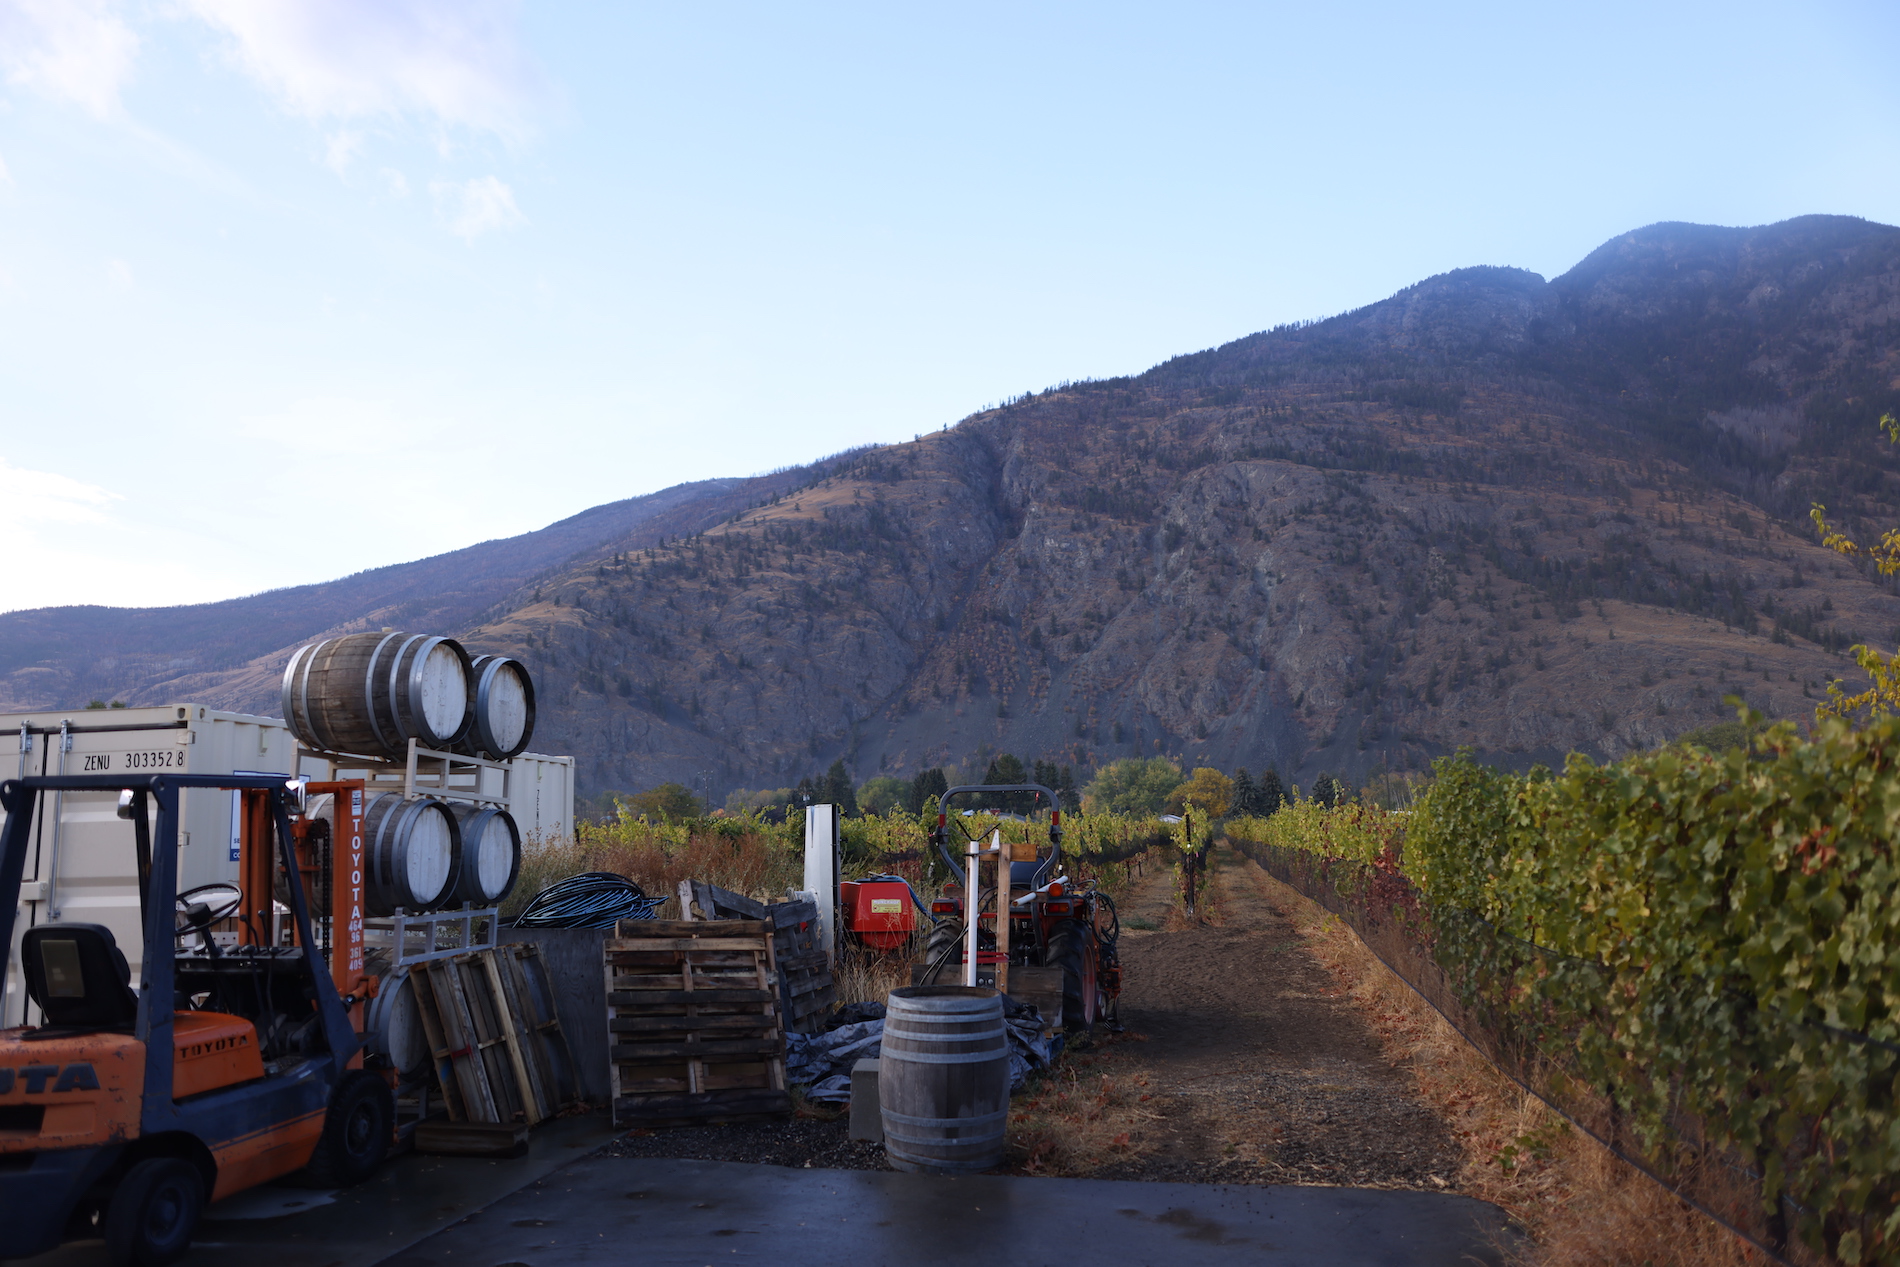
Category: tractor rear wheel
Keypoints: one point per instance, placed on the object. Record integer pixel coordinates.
(154, 1212)
(1072, 948)
(356, 1132)
(945, 936)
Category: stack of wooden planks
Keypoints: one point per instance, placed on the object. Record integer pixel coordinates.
(496, 1040)
(806, 987)
(693, 1022)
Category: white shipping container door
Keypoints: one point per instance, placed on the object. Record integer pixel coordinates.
(541, 790)
(93, 849)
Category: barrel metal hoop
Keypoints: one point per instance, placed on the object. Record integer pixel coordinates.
(288, 702)
(396, 699)
(974, 1036)
(369, 692)
(975, 1143)
(910, 1120)
(425, 730)
(484, 735)
(944, 1058)
(949, 1008)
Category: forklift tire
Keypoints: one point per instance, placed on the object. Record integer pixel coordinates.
(153, 1212)
(1067, 951)
(356, 1132)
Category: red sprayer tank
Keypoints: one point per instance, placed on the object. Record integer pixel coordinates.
(878, 912)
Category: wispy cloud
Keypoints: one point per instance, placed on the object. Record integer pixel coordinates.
(451, 63)
(43, 497)
(75, 51)
(474, 207)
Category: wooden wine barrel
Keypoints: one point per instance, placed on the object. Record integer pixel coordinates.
(394, 1026)
(943, 1078)
(414, 853)
(500, 708)
(370, 693)
(491, 855)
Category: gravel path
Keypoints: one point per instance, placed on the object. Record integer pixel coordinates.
(1264, 1071)
(1260, 1068)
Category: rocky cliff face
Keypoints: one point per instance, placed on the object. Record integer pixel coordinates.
(1492, 511)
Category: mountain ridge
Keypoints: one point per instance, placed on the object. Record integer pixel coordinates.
(1347, 544)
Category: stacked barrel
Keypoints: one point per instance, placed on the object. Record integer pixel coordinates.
(366, 696)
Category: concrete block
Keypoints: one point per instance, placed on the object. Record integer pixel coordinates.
(867, 1118)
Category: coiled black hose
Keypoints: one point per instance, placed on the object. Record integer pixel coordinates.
(592, 899)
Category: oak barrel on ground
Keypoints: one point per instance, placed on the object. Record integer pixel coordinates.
(500, 708)
(415, 853)
(943, 1078)
(371, 693)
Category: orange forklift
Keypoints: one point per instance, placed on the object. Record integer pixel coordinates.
(237, 1059)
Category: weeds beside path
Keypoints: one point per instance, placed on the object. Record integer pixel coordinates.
(1581, 1206)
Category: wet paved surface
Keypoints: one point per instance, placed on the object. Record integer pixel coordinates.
(662, 1213)
(409, 1198)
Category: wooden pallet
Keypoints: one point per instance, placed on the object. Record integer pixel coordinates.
(498, 1050)
(806, 988)
(693, 1022)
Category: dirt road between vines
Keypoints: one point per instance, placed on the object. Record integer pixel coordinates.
(1262, 1070)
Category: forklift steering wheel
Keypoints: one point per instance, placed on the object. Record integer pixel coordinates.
(198, 909)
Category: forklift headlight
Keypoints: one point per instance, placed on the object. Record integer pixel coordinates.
(125, 805)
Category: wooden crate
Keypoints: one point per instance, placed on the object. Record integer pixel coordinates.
(693, 1022)
(806, 988)
(497, 1045)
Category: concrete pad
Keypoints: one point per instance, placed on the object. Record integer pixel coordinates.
(411, 1197)
(662, 1213)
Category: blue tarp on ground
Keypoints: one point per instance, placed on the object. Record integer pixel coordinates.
(821, 1063)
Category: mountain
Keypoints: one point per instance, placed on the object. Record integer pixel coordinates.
(63, 656)
(1495, 511)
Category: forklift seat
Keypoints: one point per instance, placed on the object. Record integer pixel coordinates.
(78, 976)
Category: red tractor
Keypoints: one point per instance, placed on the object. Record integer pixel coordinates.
(1053, 922)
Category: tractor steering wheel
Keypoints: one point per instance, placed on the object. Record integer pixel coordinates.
(198, 909)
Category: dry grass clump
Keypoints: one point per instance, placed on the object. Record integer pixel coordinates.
(864, 975)
(655, 860)
(1079, 1116)
(1582, 1206)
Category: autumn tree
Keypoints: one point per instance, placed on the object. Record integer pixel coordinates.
(668, 802)
(1207, 790)
(1133, 785)
(882, 794)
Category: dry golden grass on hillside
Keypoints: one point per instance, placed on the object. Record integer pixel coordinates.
(1581, 1205)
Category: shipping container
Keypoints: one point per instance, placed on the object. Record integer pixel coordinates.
(81, 866)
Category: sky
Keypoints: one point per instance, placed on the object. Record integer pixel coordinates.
(294, 288)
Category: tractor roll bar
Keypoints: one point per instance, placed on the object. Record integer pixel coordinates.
(940, 834)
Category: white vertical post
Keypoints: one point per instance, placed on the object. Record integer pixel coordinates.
(973, 906)
(821, 868)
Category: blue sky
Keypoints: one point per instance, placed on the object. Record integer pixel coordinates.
(291, 288)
